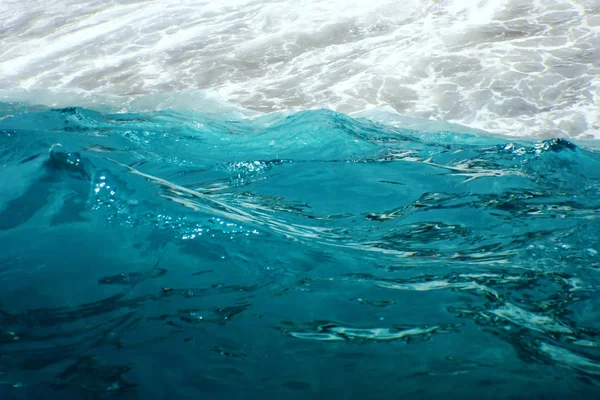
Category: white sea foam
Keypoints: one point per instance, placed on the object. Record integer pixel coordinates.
(519, 67)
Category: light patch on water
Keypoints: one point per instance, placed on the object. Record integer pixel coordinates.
(334, 333)
(530, 320)
(569, 359)
(518, 67)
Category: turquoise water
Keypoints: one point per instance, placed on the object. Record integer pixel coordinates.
(183, 255)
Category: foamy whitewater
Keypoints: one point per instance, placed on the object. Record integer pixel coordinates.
(514, 67)
(299, 200)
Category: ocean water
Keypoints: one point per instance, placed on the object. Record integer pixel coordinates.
(185, 255)
(290, 200)
(516, 67)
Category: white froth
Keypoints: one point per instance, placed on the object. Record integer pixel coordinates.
(518, 67)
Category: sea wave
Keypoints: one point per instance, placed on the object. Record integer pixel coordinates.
(213, 246)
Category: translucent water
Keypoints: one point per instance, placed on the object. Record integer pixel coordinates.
(184, 255)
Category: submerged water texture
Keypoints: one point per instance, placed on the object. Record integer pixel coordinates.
(185, 255)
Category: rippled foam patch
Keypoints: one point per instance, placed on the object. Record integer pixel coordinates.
(179, 254)
(518, 67)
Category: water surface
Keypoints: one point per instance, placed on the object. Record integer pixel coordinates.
(306, 255)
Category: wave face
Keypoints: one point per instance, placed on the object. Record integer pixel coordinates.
(516, 67)
(189, 255)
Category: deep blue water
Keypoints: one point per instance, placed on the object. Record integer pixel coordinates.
(182, 255)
